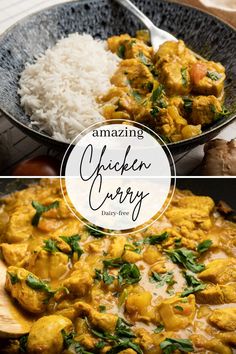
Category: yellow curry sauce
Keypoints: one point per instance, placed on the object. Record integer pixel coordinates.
(171, 91)
(170, 288)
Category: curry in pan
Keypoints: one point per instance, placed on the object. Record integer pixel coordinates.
(168, 289)
(172, 91)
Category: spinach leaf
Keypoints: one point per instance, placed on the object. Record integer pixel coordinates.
(13, 278)
(68, 338)
(167, 278)
(121, 51)
(50, 246)
(193, 285)
(144, 60)
(157, 93)
(129, 274)
(102, 308)
(159, 329)
(186, 258)
(40, 209)
(169, 345)
(138, 98)
(188, 104)
(113, 262)
(156, 239)
(213, 75)
(37, 284)
(184, 77)
(107, 278)
(204, 246)
(72, 241)
(179, 308)
(79, 349)
(23, 343)
(120, 340)
(95, 231)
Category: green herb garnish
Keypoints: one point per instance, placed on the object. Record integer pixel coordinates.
(159, 329)
(113, 262)
(193, 285)
(23, 343)
(37, 284)
(79, 349)
(120, 340)
(184, 77)
(95, 232)
(157, 93)
(186, 258)
(102, 308)
(72, 241)
(68, 338)
(121, 51)
(40, 209)
(156, 239)
(167, 278)
(144, 60)
(213, 75)
(50, 246)
(204, 246)
(129, 274)
(179, 308)
(107, 278)
(137, 96)
(188, 104)
(169, 345)
(13, 278)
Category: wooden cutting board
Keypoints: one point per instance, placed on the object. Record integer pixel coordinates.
(224, 9)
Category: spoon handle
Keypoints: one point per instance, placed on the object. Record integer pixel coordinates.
(132, 8)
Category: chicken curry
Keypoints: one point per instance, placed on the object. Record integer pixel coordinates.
(168, 289)
(172, 91)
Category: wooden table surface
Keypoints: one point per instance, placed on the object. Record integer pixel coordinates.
(15, 146)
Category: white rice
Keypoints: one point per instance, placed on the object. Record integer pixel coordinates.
(59, 90)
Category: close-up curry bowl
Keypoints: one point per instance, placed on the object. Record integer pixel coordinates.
(186, 100)
(66, 288)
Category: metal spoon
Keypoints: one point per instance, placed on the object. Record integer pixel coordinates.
(157, 35)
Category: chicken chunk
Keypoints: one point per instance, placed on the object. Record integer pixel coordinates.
(127, 47)
(224, 318)
(105, 321)
(221, 271)
(170, 123)
(19, 227)
(116, 247)
(48, 265)
(205, 109)
(174, 52)
(212, 83)
(217, 294)
(13, 254)
(133, 73)
(32, 300)
(175, 78)
(191, 212)
(213, 345)
(46, 337)
(79, 283)
(176, 313)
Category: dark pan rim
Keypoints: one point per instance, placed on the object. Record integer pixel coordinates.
(54, 141)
